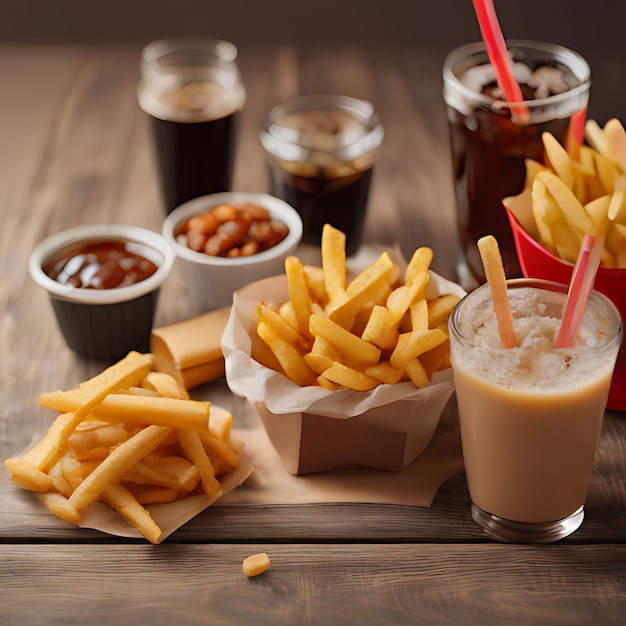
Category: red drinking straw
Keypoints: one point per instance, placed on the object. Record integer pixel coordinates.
(580, 287)
(499, 57)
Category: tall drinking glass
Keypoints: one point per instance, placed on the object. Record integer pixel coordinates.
(193, 93)
(531, 416)
(321, 150)
(489, 149)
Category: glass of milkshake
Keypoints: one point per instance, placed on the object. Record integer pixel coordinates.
(531, 415)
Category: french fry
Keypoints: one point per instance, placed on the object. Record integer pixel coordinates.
(328, 384)
(334, 264)
(370, 295)
(417, 373)
(559, 159)
(384, 373)
(59, 483)
(436, 358)
(195, 452)
(420, 262)
(345, 341)
(104, 436)
(284, 330)
(45, 452)
(401, 298)
(289, 358)
(318, 362)
(179, 474)
(350, 378)
(123, 501)
(381, 329)
(595, 137)
(129, 371)
(153, 495)
(288, 313)
(256, 564)
(314, 278)
(165, 385)
(60, 506)
(27, 476)
(410, 345)
(219, 452)
(616, 211)
(220, 423)
(298, 294)
(383, 268)
(419, 314)
(494, 270)
(439, 309)
(74, 471)
(126, 373)
(120, 459)
(607, 171)
(121, 408)
(572, 209)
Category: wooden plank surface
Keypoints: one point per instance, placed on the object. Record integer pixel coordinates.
(334, 585)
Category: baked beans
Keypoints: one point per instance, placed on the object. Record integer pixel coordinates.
(231, 231)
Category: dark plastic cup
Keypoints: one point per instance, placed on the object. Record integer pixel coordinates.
(105, 324)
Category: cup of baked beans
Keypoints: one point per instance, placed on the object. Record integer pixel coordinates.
(225, 241)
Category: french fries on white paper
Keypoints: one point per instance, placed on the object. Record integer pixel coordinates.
(357, 334)
(574, 195)
(128, 437)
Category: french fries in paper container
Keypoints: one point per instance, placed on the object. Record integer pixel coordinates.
(347, 369)
(570, 197)
(565, 199)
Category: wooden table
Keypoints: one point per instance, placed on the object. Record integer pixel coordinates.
(75, 149)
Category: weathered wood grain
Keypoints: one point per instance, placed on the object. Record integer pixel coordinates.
(368, 584)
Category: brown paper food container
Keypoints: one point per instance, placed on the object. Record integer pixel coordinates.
(314, 429)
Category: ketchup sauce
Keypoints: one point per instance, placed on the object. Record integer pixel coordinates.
(99, 265)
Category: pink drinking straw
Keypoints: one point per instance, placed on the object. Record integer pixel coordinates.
(499, 57)
(583, 277)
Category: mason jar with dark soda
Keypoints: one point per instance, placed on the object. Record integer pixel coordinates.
(490, 147)
(321, 151)
(192, 91)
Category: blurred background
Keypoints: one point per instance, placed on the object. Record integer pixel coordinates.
(581, 24)
(594, 28)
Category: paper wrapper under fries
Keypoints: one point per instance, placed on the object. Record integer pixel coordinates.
(315, 430)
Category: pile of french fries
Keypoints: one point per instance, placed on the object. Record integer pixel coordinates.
(578, 192)
(128, 437)
(357, 334)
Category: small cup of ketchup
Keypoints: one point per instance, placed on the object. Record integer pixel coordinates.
(104, 282)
